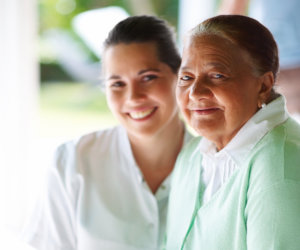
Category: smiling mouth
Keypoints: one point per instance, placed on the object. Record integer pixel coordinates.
(205, 111)
(139, 115)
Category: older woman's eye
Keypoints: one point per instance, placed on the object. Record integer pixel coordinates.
(185, 78)
(218, 76)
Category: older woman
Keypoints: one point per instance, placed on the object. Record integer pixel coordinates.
(238, 185)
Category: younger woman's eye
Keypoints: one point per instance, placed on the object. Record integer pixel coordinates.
(148, 78)
(118, 84)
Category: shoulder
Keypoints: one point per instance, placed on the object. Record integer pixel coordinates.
(186, 158)
(71, 155)
(188, 136)
(275, 159)
(98, 140)
(189, 150)
(281, 145)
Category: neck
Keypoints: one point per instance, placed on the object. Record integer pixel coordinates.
(156, 154)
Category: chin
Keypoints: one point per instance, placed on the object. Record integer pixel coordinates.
(207, 132)
(142, 131)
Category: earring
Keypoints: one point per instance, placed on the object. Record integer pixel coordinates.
(263, 105)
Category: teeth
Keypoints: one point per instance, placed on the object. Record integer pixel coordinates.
(141, 114)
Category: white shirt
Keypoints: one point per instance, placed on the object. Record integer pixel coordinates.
(218, 167)
(97, 198)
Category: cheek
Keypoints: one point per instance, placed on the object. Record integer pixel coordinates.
(182, 98)
(168, 86)
(112, 102)
(229, 98)
(238, 107)
(164, 93)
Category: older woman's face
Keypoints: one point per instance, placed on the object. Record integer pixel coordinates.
(217, 90)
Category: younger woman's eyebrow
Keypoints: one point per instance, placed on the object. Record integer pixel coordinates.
(113, 77)
(146, 70)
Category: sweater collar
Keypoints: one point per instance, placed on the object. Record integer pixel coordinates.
(263, 121)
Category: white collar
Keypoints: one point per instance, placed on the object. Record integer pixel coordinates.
(249, 135)
(164, 189)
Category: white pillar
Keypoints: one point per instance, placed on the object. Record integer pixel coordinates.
(192, 12)
(18, 104)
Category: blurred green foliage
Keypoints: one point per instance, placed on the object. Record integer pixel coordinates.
(69, 109)
(167, 9)
(70, 96)
(59, 13)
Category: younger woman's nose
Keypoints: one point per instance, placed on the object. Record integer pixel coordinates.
(136, 92)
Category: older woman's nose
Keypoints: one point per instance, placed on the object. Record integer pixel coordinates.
(199, 89)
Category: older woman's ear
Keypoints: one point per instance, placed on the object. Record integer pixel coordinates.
(266, 93)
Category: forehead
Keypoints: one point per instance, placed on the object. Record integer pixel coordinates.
(212, 49)
(210, 45)
(121, 56)
(137, 50)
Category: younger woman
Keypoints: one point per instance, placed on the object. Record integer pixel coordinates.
(109, 189)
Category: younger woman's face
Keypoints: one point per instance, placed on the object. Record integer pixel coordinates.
(140, 89)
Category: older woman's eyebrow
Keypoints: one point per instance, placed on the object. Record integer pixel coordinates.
(185, 68)
(218, 65)
(210, 65)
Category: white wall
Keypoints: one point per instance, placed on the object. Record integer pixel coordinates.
(18, 106)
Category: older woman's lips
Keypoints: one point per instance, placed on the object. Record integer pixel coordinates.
(205, 111)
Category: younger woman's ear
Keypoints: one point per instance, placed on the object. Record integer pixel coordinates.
(266, 87)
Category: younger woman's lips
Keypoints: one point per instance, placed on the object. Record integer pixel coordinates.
(141, 115)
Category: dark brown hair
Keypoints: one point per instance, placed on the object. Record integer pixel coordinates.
(142, 29)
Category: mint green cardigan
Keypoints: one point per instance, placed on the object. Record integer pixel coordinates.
(258, 208)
